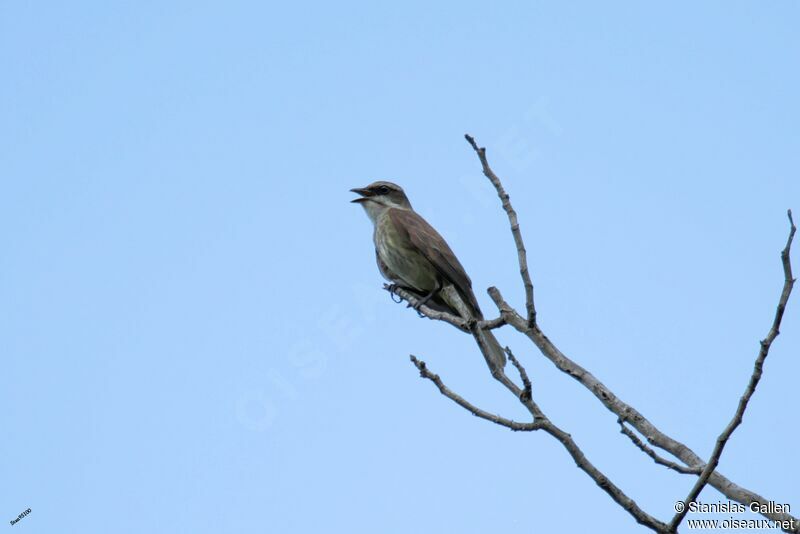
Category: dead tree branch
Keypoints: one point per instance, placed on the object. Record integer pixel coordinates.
(527, 388)
(438, 315)
(690, 462)
(758, 367)
(424, 372)
(541, 422)
(624, 411)
(653, 454)
(629, 414)
(515, 231)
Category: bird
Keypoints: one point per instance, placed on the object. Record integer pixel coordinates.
(412, 255)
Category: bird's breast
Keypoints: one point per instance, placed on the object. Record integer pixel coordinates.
(401, 258)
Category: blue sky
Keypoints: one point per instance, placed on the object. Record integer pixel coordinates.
(193, 330)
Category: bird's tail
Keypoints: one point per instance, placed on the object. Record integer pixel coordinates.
(491, 347)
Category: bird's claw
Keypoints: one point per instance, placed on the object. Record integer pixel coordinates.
(416, 307)
(392, 288)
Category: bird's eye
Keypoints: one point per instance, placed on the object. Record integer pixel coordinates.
(382, 190)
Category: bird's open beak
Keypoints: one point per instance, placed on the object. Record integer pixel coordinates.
(365, 193)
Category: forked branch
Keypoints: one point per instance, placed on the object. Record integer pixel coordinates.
(653, 454)
(622, 410)
(689, 462)
(542, 422)
(424, 372)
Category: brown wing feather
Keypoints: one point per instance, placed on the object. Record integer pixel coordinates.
(433, 246)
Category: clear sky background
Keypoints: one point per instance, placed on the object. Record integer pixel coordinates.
(193, 332)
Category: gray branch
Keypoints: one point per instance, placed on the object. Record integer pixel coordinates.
(541, 422)
(438, 315)
(515, 231)
(527, 388)
(424, 372)
(631, 415)
(653, 454)
(626, 414)
(758, 367)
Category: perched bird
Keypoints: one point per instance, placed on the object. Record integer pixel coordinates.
(412, 255)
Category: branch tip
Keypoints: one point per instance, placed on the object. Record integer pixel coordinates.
(522, 255)
(474, 410)
(471, 141)
(755, 377)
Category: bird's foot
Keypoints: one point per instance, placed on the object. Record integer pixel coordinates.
(416, 307)
(420, 303)
(392, 289)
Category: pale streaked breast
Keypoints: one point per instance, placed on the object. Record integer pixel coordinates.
(402, 259)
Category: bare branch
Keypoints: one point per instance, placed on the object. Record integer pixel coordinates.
(474, 410)
(723, 438)
(542, 422)
(515, 231)
(626, 414)
(652, 454)
(601, 480)
(625, 411)
(491, 324)
(413, 300)
(439, 315)
(527, 390)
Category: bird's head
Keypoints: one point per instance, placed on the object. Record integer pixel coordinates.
(379, 196)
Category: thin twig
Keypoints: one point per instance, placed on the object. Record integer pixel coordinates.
(653, 454)
(723, 438)
(424, 372)
(527, 390)
(515, 231)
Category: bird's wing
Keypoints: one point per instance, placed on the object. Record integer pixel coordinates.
(430, 244)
